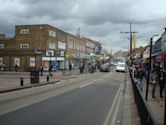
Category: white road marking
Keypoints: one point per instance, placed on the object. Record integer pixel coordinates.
(114, 106)
(87, 84)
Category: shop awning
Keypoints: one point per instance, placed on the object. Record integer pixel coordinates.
(161, 56)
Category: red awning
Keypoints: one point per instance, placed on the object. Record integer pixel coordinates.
(161, 56)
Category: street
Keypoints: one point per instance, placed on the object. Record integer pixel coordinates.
(90, 99)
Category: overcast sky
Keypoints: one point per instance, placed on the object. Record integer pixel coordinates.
(98, 19)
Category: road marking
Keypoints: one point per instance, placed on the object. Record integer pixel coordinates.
(87, 84)
(114, 105)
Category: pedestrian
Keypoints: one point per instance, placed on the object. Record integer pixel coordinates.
(70, 68)
(136, 75)
(41, 70)
(162, 80)
(153, 82)
(141, 75)
(93, 68)
(16, 66)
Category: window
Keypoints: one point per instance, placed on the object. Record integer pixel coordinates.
(77, 47)
(24, 31)
(52, 33)
(70, 45)
(23, 46)
(17, 61)
(52, 45)
(1, 61)
(61, 45)
(1, 46)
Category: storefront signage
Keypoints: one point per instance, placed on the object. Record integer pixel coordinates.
(32, 62)
(70, 54)
(78, 54)
(49, 53)
(163, 41)
(17, 61)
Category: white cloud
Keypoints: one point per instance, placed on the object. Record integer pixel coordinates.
(100, 19)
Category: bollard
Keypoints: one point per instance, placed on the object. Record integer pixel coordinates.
(21, 81)
(47, 78)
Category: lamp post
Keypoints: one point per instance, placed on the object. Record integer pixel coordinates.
(150, 61)
(50, 54)
(35, 51)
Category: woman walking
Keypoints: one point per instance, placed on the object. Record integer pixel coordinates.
(153, 81)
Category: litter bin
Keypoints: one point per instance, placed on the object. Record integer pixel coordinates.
(34, 76)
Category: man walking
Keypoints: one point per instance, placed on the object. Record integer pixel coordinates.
(161, 79)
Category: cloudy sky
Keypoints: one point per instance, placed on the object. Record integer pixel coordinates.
(98, 19)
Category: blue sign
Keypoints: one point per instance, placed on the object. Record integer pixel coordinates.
(78, 54)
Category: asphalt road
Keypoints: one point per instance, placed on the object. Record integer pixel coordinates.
(84, 101)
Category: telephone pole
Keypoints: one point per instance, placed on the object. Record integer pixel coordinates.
(130, 32)
(131, 49)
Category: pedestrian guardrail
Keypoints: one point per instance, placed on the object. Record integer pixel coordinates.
(145, 113)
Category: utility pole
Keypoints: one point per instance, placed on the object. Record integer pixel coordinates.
(130, 32)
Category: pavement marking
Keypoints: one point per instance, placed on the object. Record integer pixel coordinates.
(117, 107)
(114, 105)
(87, 84)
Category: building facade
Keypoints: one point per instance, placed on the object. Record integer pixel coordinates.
(34, 46)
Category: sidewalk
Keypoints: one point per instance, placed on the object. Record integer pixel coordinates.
(130, 113)
(156, 105)
(10, 81)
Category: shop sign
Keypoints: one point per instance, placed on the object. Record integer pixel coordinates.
(17, 61)
(49, 53)
(78, 54)
(161, 56)
(32, 62)
(70, 54)
(163, 40)
(62, 53)
(146, 53)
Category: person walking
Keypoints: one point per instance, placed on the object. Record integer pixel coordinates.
(153, 82)
(16, 66)
(141, 75)
(70, 68)
(162, 80)
(41, 70)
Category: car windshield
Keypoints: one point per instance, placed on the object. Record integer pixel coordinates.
(121, 65)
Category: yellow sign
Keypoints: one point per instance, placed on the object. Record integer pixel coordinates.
(134, 40)
(70, 54)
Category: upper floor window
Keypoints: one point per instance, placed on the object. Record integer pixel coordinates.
(52, 45)
(24, 46)
(24, 31)
(77, 47)
(52, 33)
(1, 46)
(70, 45)
(1, 61)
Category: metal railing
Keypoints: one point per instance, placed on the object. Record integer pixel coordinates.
(145, 113)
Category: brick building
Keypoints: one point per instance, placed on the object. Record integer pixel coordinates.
(41, 45)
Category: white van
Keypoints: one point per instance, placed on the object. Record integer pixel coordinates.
(121, 67)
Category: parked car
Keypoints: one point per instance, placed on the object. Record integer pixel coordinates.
(121, 67)
(105, 67)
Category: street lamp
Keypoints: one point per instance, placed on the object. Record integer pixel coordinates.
(35, 51)
(50, 54)
(150, 59)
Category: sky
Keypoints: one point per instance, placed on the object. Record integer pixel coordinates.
(100, 20)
